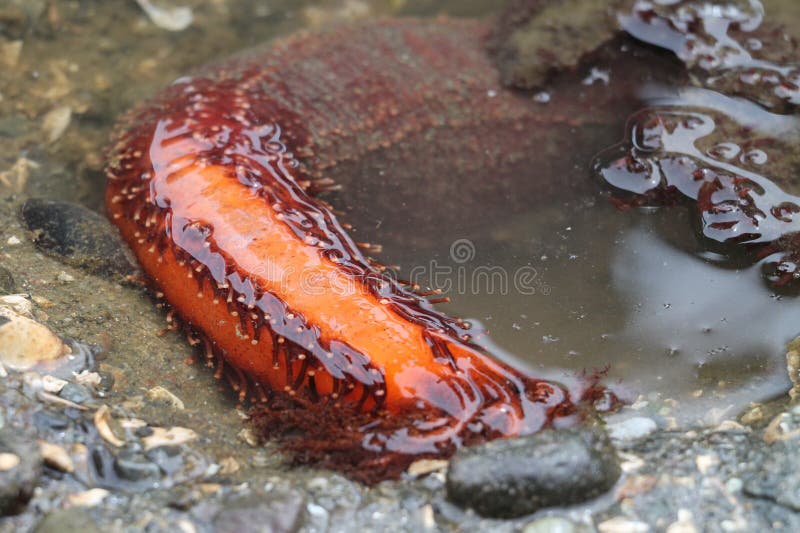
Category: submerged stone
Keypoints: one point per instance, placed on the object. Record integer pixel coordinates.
(80, 237)
(19, 472)
(536, 38)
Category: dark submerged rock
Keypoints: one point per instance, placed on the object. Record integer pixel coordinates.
(534, 39)
(106, 381)
(79, 236)
(17, 483)
(510, 478)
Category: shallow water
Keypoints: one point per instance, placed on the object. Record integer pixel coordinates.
(578, 285)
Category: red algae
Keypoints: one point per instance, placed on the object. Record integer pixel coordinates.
(216, 186)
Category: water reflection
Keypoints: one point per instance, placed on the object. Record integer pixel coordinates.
(637, 294)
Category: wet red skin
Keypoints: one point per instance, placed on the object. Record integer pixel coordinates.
(214, 184)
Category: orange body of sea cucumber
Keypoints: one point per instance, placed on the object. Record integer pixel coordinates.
(215, 185)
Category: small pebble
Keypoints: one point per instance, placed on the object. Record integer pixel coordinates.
(633, 428)
(75, 393)
(162, 395)
(684, 524)
(183, 498)
(168, 458)
(620, 524)
(133, 467)
(551, 524)
(247, 435)
(106, 382)
(88, 379)
(229, 465)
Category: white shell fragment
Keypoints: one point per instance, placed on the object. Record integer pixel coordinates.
(87, 498)
(168, 437)
(163, 395)
(8, 461)
(53, 384)
(167, 18)
(101, 421)
(56, 457)
(56, 122)
(25, 343)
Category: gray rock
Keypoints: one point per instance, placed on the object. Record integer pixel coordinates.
(516, 477)
(273, 513)
(632, 428)
(133, 467)
(74, 520)
(17, 483)
(75, 393)
(776, 476)
(168, 458)
(78, 236)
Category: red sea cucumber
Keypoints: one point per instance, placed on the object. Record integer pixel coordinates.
(215, 185)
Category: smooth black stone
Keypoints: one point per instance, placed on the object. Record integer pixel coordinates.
(516, 477)
(79, 236)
